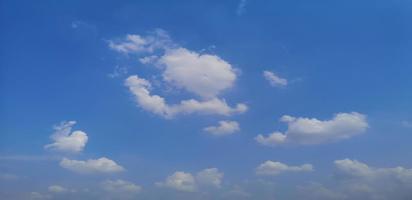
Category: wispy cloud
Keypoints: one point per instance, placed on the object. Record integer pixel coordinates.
(241, 8)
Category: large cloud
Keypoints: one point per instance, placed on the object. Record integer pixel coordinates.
(313, 131)
(205, 75)
(224, 128)
(140, 88)
(273, 168)
(67, 141)
(101, 165)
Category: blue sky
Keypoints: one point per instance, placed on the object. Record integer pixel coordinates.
(205, 99)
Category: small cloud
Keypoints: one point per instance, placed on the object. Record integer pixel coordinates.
(57, 189)
(180, 181)
(101, 165)
(275, 80)
(67, 141)
(272, 168)
(118, 71)
(224, 128)
(121, 187)
(241, 7)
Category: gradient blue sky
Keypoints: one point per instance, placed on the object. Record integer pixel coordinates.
(337, 56)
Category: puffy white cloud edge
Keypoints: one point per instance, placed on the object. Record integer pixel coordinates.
(224, 128)
(101, 165)
(272, 168)
(67, 141)
(308, 131)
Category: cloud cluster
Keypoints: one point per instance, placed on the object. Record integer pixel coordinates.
(204, 75)
(272, 168)
(356, 180)
(67, 141)
(309, 131)
(186, 182)
(101, 165)
(224, 128)
(274, 79)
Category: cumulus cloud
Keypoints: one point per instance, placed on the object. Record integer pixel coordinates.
(186, 182)
(224, 128)
(180, 181)
(101, 165)
(273, 168)
(205, 75)
(356, 180)
(210, 177)
(274, 79)
(67, 141)
(140, 88)
(120, 186)
(309, 131)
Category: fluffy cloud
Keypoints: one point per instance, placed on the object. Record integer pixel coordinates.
(67, 141)
(101, 165)
(274, 168)
(210, 177)
(313, 131)
(180, 181)
(121, 186)
(205, 75)
(274, 79)
(224, 128)
(186, 182)
(140, 88)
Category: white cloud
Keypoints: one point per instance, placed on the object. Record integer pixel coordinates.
(134, 43)
(101, 165)
(202, 74)
(274, 168)
(313, 131)
(140, 88)
(274, 79)
(180, 181)
(224, 128)
(57, 189)
(121, 186)
(67, 141)
(210, 177)
(186, 182)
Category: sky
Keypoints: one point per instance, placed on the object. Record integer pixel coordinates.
(201, 100)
